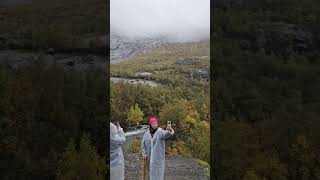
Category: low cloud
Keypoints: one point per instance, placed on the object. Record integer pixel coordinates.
(179, 20)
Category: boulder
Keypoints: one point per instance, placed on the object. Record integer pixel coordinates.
(200, 74)
(50, 51)
(186, 61)
(14, 44)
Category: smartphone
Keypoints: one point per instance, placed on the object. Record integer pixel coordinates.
(169, 123)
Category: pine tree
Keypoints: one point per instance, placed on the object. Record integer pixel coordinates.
(81, 164)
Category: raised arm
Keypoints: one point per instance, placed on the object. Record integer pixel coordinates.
(167, 133)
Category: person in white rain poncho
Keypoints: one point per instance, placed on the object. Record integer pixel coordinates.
(117, 138)
(153, 149)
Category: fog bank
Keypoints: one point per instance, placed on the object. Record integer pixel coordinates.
(179, 20)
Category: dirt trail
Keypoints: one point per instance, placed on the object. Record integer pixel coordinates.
(177, 168)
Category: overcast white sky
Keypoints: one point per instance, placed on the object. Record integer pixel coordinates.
(178, 19)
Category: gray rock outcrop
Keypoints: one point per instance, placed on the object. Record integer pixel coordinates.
(123, 48)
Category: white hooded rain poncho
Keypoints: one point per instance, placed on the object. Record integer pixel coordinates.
(154, 149)
(117, 138)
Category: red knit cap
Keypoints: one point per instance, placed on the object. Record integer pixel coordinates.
(153, 120)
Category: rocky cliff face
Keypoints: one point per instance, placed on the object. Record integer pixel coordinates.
(13, 2)
(281, 36)
(79, 62)
(123, 48)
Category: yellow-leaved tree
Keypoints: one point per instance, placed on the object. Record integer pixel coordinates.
(135, 115)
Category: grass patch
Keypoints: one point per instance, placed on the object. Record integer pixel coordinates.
(203, 163)
(136, 145)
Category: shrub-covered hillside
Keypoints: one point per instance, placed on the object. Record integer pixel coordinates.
(266, 59)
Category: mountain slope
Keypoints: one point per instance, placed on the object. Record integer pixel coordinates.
(123, 48)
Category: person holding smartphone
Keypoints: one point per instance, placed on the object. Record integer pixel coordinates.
(153, 148)
(117, 138)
